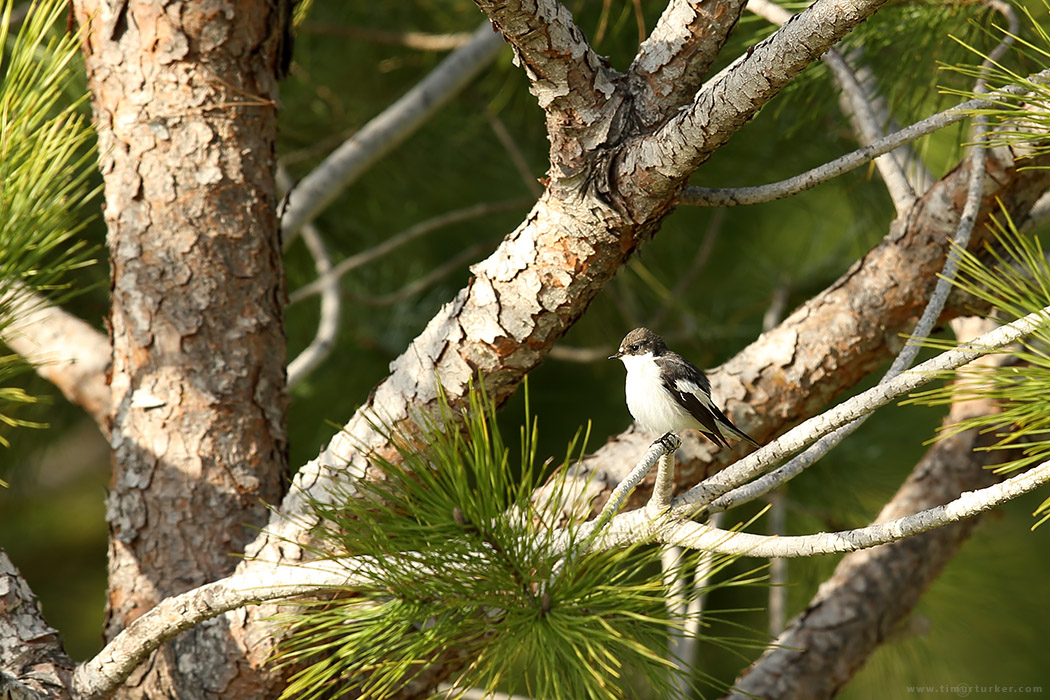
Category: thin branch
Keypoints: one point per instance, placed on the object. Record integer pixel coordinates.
(743, 471)
(399, 239)
(738, 196)
(874, 590)
(699, 536)
(421, 41)
(328, 324)
(858, 107)
(656, 451)
(388, 130)
(101, 676)
(64, 350)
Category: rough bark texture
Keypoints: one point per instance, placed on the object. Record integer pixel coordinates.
(184, 103)
(32, 661)
(873, 590)
(672, 62)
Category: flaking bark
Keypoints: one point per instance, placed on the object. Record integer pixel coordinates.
(184, 104)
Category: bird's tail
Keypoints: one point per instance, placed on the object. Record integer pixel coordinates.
(729, 430)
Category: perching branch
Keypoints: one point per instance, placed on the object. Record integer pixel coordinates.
(874, 590)
(700, 536)
(101, 676)
(801, 436)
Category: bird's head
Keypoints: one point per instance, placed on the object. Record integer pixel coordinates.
(640, 341)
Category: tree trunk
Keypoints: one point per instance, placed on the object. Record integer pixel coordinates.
(185, 106)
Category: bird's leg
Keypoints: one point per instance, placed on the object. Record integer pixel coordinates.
(661, 449)
(670, 442)
(664, 486)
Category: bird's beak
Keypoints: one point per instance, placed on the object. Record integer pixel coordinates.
(617, 356)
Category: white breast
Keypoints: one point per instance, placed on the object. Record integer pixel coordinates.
(649, 402)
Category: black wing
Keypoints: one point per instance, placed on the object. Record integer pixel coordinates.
(691, 389)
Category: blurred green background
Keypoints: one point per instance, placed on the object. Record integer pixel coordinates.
(979, 623)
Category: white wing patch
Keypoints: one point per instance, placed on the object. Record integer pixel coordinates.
(687, 387)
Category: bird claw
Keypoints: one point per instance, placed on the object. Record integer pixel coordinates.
(670, 442)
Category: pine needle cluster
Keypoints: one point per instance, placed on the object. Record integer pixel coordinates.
(46, 158)
(1022, 124)
(464, 569)
(1013, 275)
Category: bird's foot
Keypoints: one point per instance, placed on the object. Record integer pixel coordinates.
(670, 442)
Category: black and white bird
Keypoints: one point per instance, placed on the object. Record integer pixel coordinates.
(666, 393)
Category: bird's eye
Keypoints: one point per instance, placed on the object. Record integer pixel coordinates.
(635, 348)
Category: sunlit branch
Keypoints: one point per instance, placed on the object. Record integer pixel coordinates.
(101, 676)
(63, 349)
(699, 536)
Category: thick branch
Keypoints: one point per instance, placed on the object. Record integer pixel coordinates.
(32, 661)
(673, 61)
(575, 87)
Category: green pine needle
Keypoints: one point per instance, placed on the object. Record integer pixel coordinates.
(46, 157)
(1020, 124)
(467, 572)
(1014, 277)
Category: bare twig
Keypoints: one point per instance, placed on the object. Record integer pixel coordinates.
(328, 324)
(399, 239)
(388, 130)
(699, 536)
(738, 196)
